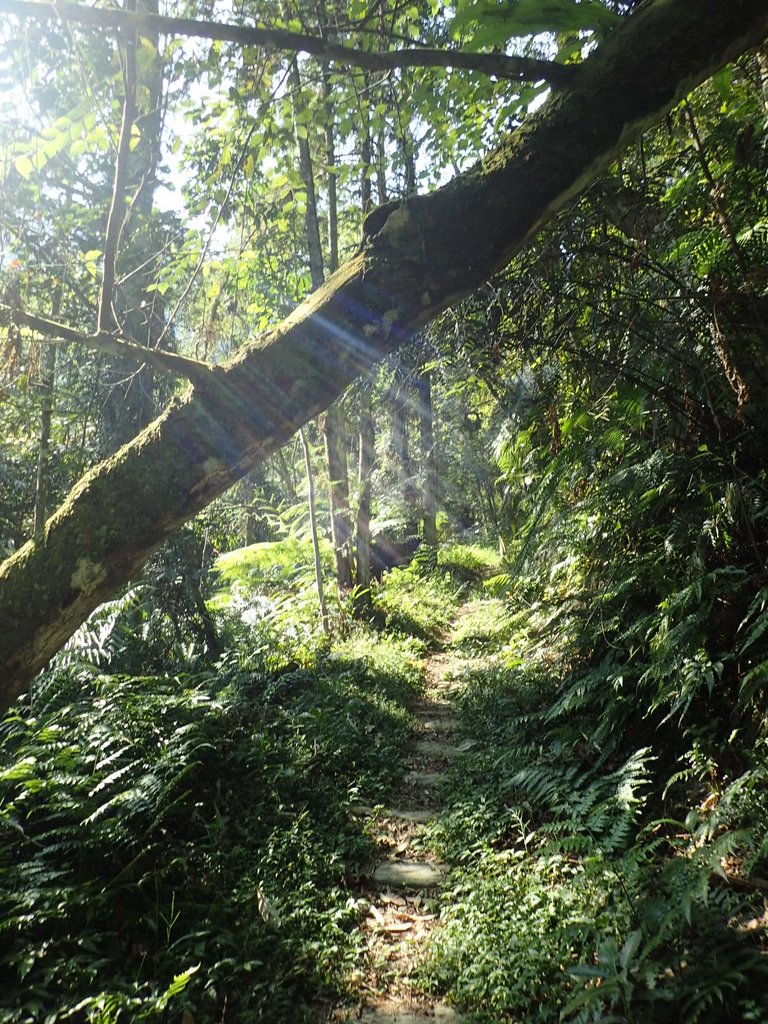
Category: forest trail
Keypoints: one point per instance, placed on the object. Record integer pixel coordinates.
(405, 888)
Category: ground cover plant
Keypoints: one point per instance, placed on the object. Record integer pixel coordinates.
(184, 840)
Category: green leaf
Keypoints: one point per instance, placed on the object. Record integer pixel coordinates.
(723, 83)
(24, 166)
(178, 985)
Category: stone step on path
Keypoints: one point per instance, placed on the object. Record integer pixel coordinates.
(443, 725)
(445, 751)
(424, 780)
(397, 1015)
(409, 874)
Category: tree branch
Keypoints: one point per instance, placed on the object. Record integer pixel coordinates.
(193, 370)
(516, 69)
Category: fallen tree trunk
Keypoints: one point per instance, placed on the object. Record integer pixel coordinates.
(417, 259)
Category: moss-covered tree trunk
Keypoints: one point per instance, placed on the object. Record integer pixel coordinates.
(429, 251)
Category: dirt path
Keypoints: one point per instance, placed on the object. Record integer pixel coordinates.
(404, 889)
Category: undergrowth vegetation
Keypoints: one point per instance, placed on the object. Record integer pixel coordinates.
(609, 824)
(184, 840)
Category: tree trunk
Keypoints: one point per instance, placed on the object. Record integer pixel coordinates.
(130, 402)
(311, 220)
(428, 458)
(762, 64)
(338, 486)
(330, 158)
(364, 470)
(248, 488)
(47, 385)
(341, 527)
(333, 431)
(313, 532)
(399, 400)
(430, 251)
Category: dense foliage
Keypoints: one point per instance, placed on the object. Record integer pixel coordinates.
(191, 830)
(579, 449)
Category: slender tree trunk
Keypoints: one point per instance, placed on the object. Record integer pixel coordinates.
(428, 458)
(285, 473)
(365, 160)
(333, 428)
(313, 532)
(337, 469)
(42, 482)
(364, 471)
(399, 399)
(246, 497)
(338, 491)
(341, 526)
(130, 400)
(311, 220)
(365, 427)
(762, 63)
(330, 157)
(381, 168)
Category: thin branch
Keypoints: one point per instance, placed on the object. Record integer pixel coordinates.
(194, 370)
(106, 319)
(514, 68)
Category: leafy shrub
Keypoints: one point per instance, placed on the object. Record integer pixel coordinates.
(514, 931)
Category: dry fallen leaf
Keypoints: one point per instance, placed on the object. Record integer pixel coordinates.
(377, 914)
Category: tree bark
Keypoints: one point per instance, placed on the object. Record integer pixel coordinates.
(311, 220)
(314, 535)
(399, 400)
(333, 429)
(42, 481)
(364, 470)
(366, 450)
(338, 493)
(430, 251)
(428, 458)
